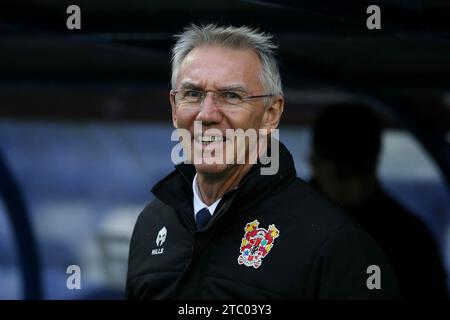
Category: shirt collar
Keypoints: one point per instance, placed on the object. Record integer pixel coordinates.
(198, 203)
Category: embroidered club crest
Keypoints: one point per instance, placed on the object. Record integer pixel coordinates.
(256, 244)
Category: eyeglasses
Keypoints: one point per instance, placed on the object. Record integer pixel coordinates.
(196, 97)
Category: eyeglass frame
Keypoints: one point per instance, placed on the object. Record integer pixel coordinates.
(205, 93)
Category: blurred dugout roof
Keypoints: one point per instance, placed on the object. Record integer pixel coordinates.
(117, 65)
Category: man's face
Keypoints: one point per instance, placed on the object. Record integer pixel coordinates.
(218, 68)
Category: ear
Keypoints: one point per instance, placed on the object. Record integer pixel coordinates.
(174, 108)
(272, 113)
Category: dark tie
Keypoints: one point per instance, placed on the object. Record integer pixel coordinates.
(202, 218)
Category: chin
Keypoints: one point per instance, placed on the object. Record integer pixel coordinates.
(211, 169)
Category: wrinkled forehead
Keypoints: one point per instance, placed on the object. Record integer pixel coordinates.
(213, 67)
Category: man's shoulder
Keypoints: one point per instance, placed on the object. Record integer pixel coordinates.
(152, 210)
(154, 205)
(341, 250)
(304, 203)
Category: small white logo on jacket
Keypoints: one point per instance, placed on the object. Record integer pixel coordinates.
(160, 239)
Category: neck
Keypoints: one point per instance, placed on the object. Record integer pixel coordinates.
(213, 187)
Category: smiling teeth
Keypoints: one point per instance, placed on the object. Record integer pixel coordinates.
(209, 139)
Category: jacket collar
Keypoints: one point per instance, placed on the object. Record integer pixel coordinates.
(175, 190)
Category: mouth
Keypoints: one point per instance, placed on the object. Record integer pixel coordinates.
(206, 140)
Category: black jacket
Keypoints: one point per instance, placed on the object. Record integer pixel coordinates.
(317, 253)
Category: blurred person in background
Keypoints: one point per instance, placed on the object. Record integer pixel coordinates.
(345, 152)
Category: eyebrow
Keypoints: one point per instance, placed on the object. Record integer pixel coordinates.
(233, 87)
(189, 85)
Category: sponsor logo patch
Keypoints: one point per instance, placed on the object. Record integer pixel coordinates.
(160, 239)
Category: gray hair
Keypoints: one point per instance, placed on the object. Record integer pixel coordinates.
(231, 37)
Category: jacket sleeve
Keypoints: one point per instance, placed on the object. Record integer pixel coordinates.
(129, 292)
(135, 257)
(351, 265)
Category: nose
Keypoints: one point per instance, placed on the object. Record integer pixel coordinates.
(209, 111)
